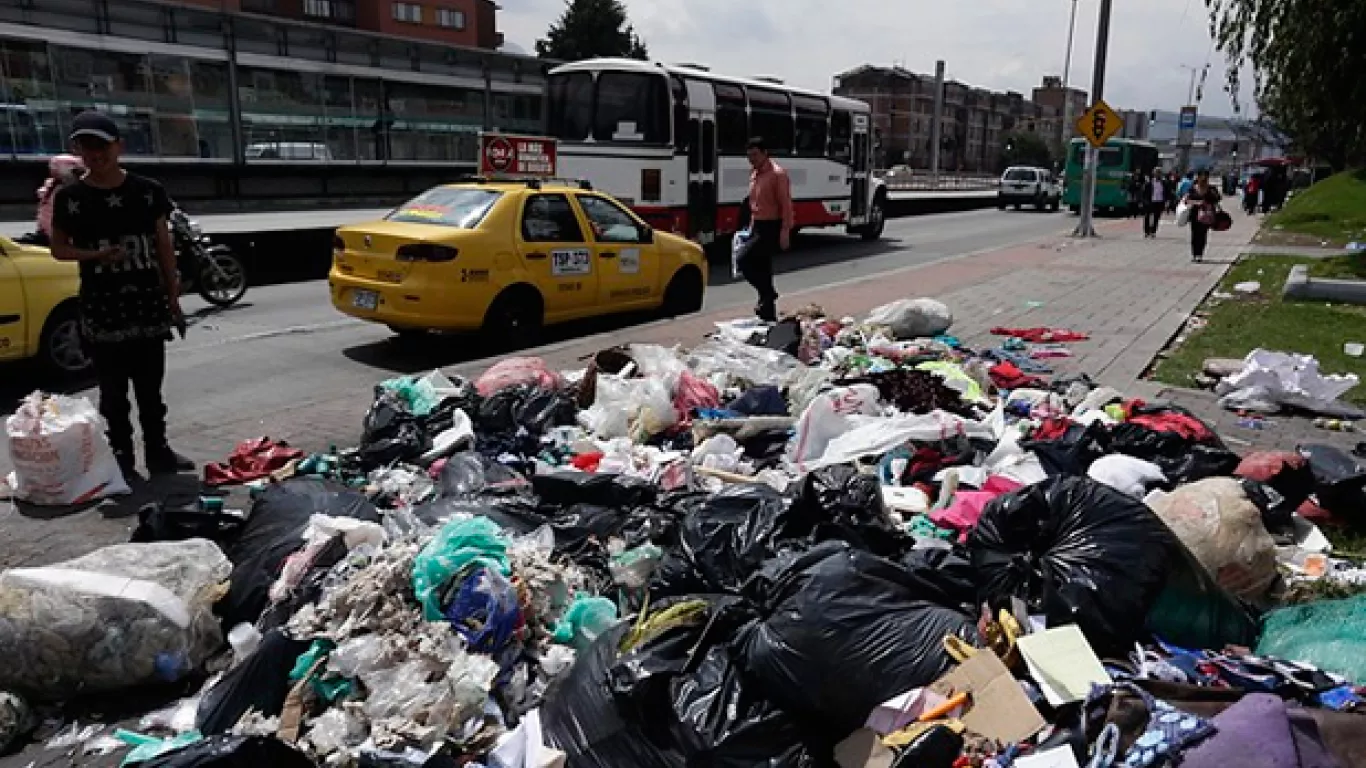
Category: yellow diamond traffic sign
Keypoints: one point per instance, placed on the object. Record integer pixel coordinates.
(1099, 124)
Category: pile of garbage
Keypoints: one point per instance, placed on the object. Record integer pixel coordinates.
(815, 543)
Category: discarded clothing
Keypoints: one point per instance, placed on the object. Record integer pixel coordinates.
(251, 460)
(1041, 335)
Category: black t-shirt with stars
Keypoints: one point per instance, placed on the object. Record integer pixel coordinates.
(124, 300)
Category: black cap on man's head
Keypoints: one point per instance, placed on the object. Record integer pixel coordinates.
(95, 125)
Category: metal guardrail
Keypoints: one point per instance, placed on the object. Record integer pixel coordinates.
(923, 181)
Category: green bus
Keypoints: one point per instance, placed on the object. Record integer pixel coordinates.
(1119, 159)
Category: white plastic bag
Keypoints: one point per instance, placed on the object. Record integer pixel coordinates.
(827, 417)
(1183, 213)
(739, 247)
(119, 617)
(623, 406)
(726, 362)
(1126, 474)
(1223, 529)
(60, 453)
(874, 436)
(913, 318)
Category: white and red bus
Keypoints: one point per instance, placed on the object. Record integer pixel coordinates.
(670, 141)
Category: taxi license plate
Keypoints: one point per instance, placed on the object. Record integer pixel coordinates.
(365, 300)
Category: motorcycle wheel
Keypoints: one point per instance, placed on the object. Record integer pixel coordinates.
(222, 278)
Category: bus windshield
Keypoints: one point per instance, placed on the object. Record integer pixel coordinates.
(629, 107)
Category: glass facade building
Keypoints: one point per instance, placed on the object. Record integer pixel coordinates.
(194, 85)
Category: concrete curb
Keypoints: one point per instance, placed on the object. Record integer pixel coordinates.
(1299, 285)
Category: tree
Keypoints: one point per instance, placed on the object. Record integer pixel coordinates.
(591, 28)
(1307, 57)
(1025, 149)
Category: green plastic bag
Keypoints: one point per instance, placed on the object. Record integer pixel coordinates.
(586, 618)
(1330, 634)
(416, 392)
(460, 544)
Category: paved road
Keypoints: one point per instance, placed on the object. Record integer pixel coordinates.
(286, 343)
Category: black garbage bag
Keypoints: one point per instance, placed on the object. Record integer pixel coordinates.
(1083, 553)
(685, 688)
(309, 589)
(1176, 440)
(839, 502)
(541, 410)
(947, 572)
(518, 517)
(1338, 480)
(182, 517)
(565, 489)
(391, 433)
(273, 532)
(723, 540)
(233, 752)
(581, 717)
(763, 400)
(841, 631)
(1074, 452)
(785, 336)
(260, 682)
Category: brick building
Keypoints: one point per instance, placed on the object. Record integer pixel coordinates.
(974, 126)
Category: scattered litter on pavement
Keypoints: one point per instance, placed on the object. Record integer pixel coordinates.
(825, 541)
(1249, 287)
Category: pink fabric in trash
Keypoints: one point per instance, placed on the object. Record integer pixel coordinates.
(515, 371)
(966, 508)
(694, 392)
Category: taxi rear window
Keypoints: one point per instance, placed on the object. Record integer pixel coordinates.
(460, 208)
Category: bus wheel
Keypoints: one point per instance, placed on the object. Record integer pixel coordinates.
(877, 220)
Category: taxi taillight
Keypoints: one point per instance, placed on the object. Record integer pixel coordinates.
(426, 252)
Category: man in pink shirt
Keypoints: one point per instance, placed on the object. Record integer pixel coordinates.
(770, 213)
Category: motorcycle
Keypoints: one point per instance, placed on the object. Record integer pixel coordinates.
(210, 268)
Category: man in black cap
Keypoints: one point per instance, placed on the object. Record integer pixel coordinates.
(114, 224)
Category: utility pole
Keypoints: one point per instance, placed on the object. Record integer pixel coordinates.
(1085, 227)
(1065, 130)
(935, 130)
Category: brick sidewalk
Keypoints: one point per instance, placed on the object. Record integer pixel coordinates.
(1130, 294)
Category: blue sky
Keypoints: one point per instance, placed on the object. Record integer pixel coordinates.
(998, 44)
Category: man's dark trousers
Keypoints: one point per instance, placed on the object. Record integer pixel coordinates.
(757, 266)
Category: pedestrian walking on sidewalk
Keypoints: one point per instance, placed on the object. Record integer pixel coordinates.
(1135, 192)
(1203, 199)
(1154, 201)
(114, 224)
(771, 219)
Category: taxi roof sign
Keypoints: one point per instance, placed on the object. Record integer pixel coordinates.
(510, 156)
(1099, 124)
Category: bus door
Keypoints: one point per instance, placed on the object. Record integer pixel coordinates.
(860, 171)
(702, 162)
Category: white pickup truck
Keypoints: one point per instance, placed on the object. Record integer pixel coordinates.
(1020, 186)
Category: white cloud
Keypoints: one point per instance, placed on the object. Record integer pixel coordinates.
(997, 44)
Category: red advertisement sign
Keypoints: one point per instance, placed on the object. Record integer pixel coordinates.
(502, 154)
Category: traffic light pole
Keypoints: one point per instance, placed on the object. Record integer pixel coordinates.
(1086, 227)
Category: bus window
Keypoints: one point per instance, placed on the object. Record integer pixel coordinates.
(570, 107)
(632, 107)
(812, 117)
(1110, 157)
(841, 131)
(683, 138)
(770, 116)
(732, 131)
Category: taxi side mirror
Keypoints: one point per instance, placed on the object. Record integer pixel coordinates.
(647, 235)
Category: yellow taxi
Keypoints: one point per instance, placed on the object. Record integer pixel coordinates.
(39, 317)
(507, 257)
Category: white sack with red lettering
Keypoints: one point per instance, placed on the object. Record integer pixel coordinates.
(59, 452)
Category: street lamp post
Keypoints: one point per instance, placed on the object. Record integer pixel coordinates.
(1085, 227)
(1066, 81)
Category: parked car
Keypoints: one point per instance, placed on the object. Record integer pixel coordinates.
(39, 316)
(1020, 186)
(506, 257)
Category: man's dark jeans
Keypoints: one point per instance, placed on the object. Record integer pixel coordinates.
(142, 363)
(757, 266)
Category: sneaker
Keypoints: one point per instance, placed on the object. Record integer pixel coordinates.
(164, 461)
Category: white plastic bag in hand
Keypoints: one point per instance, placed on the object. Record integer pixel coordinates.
(59, 452)
(1183, 213)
